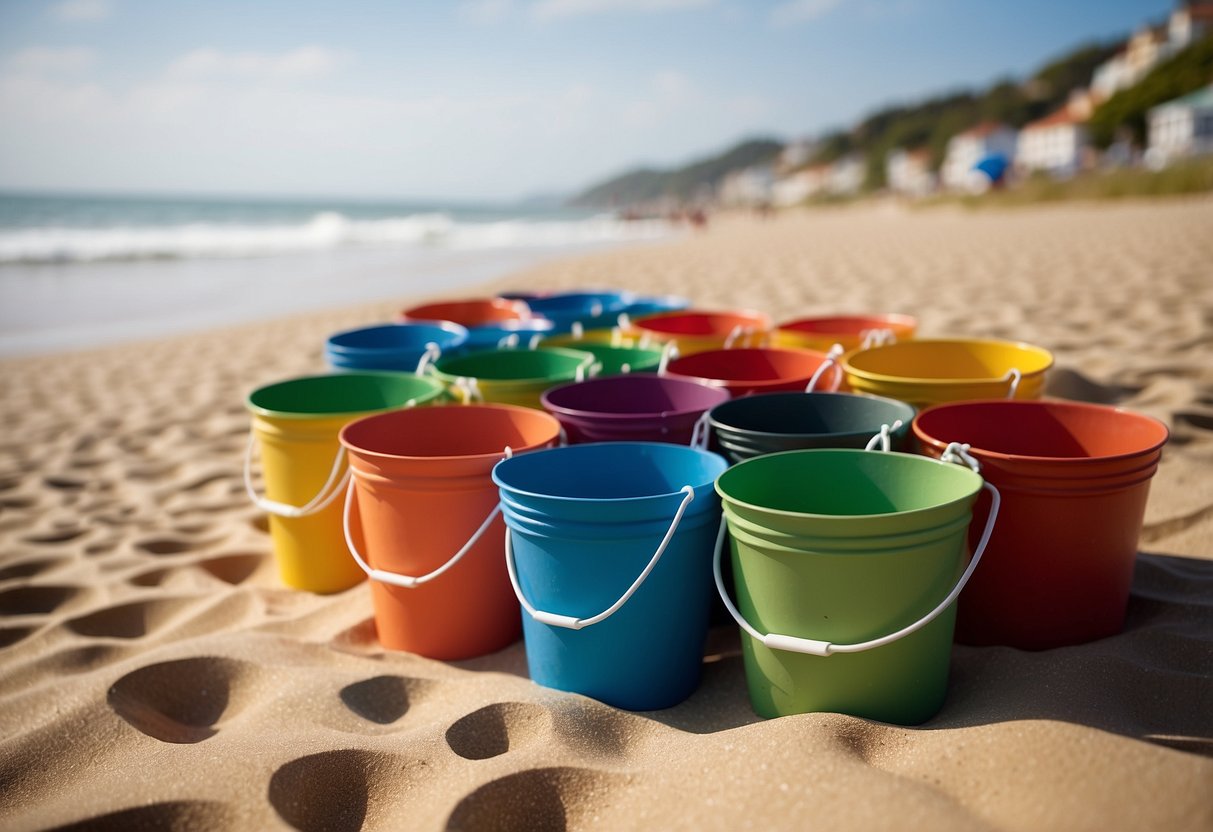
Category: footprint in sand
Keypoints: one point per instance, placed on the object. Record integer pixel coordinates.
(495, 729)
(383, 700)
(561, 798)
(345, 789)
(36, 600)
(184, 701)
(30, 568)
(178, 814)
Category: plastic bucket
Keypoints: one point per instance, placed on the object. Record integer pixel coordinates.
(774, 422)
(1074, 479)
(851, 331)
(296, 423)
(469, 313)
(422, 522)
(511, 376)
(590, 309)
(750, 370)
(653, 304)
(695, 331)
(615, 359)
(508, 334)
(613, 568)
(928, 372)
(637, 408)
(846, 567)
(392, 346)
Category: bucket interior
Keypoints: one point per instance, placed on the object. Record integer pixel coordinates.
(851, 324)
(748, 364)
(393, 336)
(448, 431)
(810, 413)
(609, 471)
(702, 323)
(514, 365)
(1043, 429)
(469, 312)
(950, 359)
(634, 395)
(845, 483)
(342, 393)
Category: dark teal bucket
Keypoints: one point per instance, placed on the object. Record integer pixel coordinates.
(773, 422)
(609, 547)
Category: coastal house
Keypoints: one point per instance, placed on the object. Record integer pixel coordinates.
(795, 154)
(1055, 144)
(1151, 45)
(909, 172)
(747, 187)
(1190, 22)
(1183, 127)
(966, 149)
(800, 186)
(846, 175)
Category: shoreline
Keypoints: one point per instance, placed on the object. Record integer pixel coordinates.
(154, 671)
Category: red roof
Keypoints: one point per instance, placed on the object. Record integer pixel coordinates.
(1060, 118)
(1200, 11)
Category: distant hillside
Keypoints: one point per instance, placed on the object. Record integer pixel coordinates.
(685, 183)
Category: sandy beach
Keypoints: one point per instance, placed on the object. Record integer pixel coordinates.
(155, 673)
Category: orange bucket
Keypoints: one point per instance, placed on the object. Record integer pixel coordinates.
(422, 520)
(469, 313)
(695, 331)
(852, 331)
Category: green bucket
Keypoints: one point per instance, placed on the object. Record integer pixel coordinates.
(846, 566)
(511, 376)
(613, 360)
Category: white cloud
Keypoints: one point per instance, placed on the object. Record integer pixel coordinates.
(297, 64)
(485, 12)
(48, 60)
(802, 11)
(79, 11)
(552, 9)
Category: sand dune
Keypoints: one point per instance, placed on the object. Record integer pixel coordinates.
(155, 674)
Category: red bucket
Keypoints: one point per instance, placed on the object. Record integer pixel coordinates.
(756, 370)
(694, 330)
(469, 313)
(1074, 480)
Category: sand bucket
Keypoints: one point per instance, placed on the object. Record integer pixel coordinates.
(398, 347)
(469, 313)
(613, 570)
(695, 331)
(637, 408)
(751, 370)
(511, 376)
(774, 422)
(296, 423)
(851, 331)
(1074, 479)
(591, 310)
(928, 372)
(613, 357)
(503, 334)
(421, 519)
(846, 565)
(653, 304)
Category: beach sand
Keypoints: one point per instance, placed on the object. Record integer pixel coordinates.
(154, 673)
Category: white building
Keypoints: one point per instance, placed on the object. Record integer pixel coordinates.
(846, 175)
(909, 172)
(1055, 144)
(1183, 127)
(966, 149)
(747, 187)
(796, 153)
(1188, 23)
(1149, 46)
(800, 186)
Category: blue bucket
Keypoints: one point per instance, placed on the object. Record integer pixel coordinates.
(491, 336)
(613, 570)
(391, 346)
(593, 310)
(652, 304)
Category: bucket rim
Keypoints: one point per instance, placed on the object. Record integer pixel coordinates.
(999, 456)
(800, 394)
(492, 406)
(663, 447)
(535, 324)
(727, 499)
(895, 318)
(410, 314)
(436, 390)
(581, 356)
(917, 343)
(762, 319)
(621, 380)
(332, 342)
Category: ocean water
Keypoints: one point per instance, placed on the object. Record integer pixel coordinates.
(82, 271)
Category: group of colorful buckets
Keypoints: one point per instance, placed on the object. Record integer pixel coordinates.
(571, 467)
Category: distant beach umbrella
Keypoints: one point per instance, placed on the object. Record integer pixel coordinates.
(993, 166)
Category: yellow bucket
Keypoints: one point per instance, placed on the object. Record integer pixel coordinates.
(851, 331)
(927, 372)
(511, 376)
(295, 423)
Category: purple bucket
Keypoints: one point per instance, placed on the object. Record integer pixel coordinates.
(638, 407)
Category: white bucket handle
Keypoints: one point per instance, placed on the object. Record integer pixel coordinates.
(411, 581)
(622, 324)
(702, 432)
(669, 351)
(328, 492)
(587, 369)
(883, 437)
(432, 353)
(831, 363)
(815, 647)
(742, 333)
(570, 622)
(508, 342)
(468, 390)
(878, 337)
(1013, 376)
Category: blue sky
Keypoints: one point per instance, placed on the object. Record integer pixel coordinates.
(483, 99)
